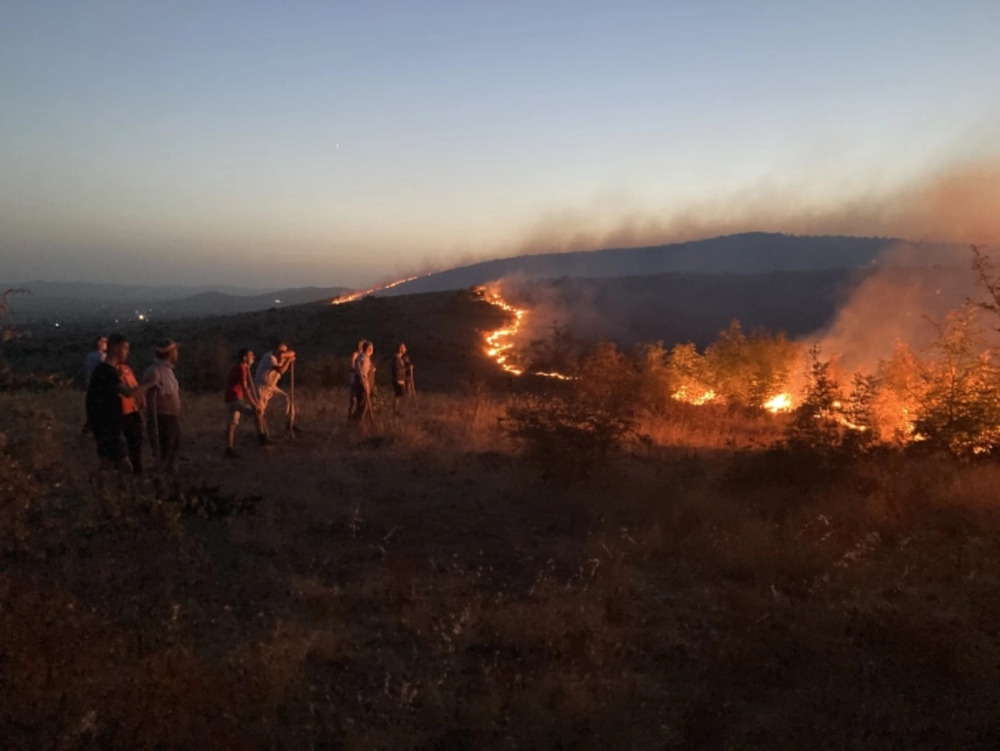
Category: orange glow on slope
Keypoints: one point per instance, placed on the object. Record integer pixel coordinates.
(352, 296)
(500, 343)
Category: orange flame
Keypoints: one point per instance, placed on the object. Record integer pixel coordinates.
(500, 343)
(780, 403)
(352, 296)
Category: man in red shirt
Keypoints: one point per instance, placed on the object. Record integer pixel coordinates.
(241, 399)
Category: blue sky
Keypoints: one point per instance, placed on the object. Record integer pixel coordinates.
(324, 143)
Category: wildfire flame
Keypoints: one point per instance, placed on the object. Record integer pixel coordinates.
(352, 296)
(682, 395)
(500, 343)
(780, 403)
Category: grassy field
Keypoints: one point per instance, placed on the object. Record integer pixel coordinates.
(424, 584)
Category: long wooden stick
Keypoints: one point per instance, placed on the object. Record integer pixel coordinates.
(291, 400)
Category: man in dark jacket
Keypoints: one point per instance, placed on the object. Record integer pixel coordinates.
(104, 405)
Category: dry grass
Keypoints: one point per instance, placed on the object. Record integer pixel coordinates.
(418, 585)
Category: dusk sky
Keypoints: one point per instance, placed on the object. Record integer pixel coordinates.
(278, 144)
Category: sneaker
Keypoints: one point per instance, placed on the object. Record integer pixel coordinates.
(265, 440)
(230, 454)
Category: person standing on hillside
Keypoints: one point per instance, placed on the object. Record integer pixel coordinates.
(364, 379)
(241, 399)
(131, 413)
(352, 379)
(94, 358)
(272, 366)
(164, 409)
(105, 408)
(402, 377)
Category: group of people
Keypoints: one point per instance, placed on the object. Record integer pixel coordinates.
(118, 404)
(363, 379)
(116, 401)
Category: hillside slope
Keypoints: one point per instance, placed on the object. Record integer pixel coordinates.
(747, 253)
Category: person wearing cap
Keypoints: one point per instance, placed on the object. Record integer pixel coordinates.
(106, 392)
(241, 399)
(165, 408)
(272, 366)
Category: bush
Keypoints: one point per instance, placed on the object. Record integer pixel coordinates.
(747, 371)
(817, 423)
(960, 410)
(572, 433)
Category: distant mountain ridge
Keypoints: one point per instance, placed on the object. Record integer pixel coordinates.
(746, 253)
(81, 301)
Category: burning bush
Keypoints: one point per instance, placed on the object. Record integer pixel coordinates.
(746, 371)
(960, 409)
(817, 422)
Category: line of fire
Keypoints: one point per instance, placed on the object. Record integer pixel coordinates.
(943, 391)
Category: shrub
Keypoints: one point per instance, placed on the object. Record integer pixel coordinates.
(572, 433)
(816, 422)
(747, 371)
(960, 410)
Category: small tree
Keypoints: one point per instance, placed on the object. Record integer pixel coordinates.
(960, 409)
(686, 372)
(571, 433)
(817, 421)
(900, 394)
(746, 371)
(861, 415)
(558, 352)
(654, 384)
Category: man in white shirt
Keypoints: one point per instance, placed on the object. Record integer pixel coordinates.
(364, 377)
(269, 371)
(165, 408)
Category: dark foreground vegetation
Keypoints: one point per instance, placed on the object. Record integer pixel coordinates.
(443, 582)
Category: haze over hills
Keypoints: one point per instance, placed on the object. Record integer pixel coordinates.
(745, 253)
(78, 301)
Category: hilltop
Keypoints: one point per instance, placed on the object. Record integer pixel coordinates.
(745, 253)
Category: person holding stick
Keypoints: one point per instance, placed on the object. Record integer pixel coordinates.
(241, 399)
(165, 409)
(272, 366)
(364, 379)
(352, 385)
(402, 378)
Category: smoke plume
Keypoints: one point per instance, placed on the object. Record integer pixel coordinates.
(957, 204)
